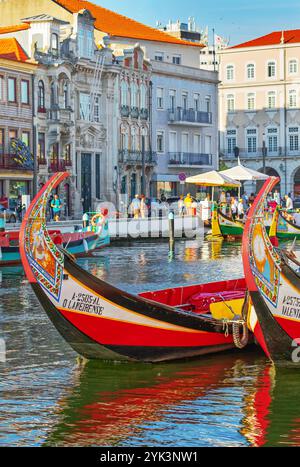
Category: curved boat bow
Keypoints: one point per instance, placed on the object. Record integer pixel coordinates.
(100, 321)
(274, 287)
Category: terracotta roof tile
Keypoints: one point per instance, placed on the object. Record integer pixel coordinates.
(11, 49)
(274, 38)
(15, 28)
(118, 25)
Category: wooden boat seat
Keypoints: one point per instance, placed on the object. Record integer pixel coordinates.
(202, 301)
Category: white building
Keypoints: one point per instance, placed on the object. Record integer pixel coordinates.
(259, 102)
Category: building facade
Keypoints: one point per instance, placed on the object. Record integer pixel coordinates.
(259, 106)
(16, 120)
(185, 125)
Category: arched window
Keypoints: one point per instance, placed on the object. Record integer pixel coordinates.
(292, 98)
(124, 93)
(41, 96)
(143, 97)
(230, 103)
(251, 71)
(66, 94)
(230, 72)
(54, 44)
(293, 66)
(271, 69)
(134, 95)
(53, 94)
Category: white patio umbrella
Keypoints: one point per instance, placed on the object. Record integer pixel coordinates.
(242, 174)
(213, 179)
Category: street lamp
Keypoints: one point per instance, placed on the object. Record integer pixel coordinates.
(264, 152)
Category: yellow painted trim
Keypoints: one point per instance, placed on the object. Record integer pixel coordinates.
(176, 327)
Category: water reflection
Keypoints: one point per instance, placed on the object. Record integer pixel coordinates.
(224, 400)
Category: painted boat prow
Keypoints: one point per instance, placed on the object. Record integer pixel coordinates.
(271, 283)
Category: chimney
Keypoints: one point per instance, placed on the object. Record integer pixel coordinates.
(282, 38)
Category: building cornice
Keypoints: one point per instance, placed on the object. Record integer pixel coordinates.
(18, 66)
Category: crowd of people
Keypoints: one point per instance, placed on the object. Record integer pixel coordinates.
(238, 208)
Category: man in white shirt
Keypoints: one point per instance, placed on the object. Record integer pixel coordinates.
(289, 203)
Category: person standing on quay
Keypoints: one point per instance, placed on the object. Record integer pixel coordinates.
(136, 206)
(181, 206)
(144, 207)
(188, 204)
(56, 207)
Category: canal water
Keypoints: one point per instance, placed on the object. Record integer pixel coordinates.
(48, 397)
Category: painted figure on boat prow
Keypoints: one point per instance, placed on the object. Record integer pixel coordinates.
(274, 285)
(100, 321)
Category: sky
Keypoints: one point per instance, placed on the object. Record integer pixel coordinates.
(237, 20)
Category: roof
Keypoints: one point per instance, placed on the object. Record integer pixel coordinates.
(40, 18)
(15, 28)
(118, 25)
(11, 50)
(274, 38)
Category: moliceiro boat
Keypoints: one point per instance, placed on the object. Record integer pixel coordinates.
(273, 281)
(100, 321)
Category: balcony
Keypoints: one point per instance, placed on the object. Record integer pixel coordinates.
(42, 161)
(189, 117)
(134, 112)
(178, 159)
(136, 157)
(59, 165)
(144, 114)
(7, 162)
(125, 111)
(244, 153)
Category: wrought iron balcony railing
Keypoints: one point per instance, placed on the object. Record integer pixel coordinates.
(136, 157)
(181, 115)
(188, 158)
(8, 162)
(59, 165)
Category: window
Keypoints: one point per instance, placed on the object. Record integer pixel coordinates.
(197, 144)
(271, 100)
(89, 44)
(66, 95)
(134, 95)
(230, 72)
(54, 44)
(41, 147)
(172, 98)
(293, 66)
(41, 96)
(251, 101)
(230, 103)
(271, 69)
(250, 71)
(208, 104)
(84, 106)
(272, 139)
(25, 92)
(11, 83)
(12, 134)
(1, 141)
(292, 99)
(159, 57)
(160, 98)
(196, 102)
(144, 97)
(81, 43)
(251, 141)
(185, 100)
(294, 138)
(26, 138)
(231, 141)
(97, 109)
(53, 94)
(160, 141)
(176, 59)
(1, 88)
(124, 93)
